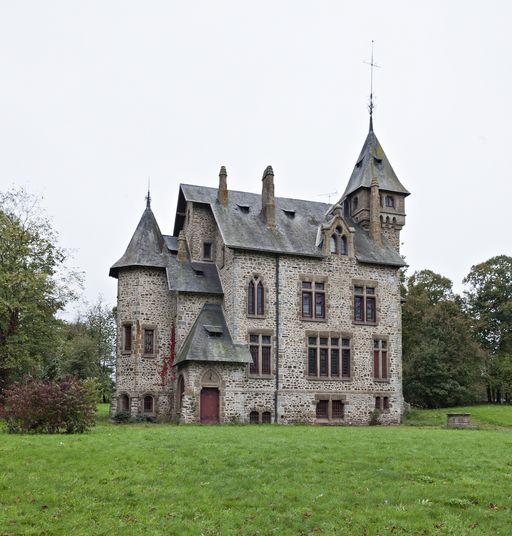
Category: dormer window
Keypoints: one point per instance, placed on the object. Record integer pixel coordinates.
(389, 201)
(244, 208)
(214, 331)
(289, 213)
(343, 245)
(338, 242)
(333, 244)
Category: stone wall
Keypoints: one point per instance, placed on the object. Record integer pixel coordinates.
(297, 392)
(200, 227)
(143, 301)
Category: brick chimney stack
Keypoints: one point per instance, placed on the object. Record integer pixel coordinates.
(222, 194)
(268, 202)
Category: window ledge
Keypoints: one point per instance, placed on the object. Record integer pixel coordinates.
(306, 319)
(382, 380)
(149, 356)
(126, 352)
(260, 376)
(358, 323)
(328, 379)
(257, 317)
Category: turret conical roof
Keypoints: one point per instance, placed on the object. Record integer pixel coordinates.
(145, 247)
(372, 160)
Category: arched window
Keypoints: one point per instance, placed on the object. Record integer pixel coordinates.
(390, 201)
(256, 298)
(338, 242)
(343, 245)
(266, 417)
(334, 244)
(181, 392)
(254, 417)
(124, 403)
(260, 299)
(148, 404)
(251, 309)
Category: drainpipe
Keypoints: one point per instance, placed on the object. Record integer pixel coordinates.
(276, 418)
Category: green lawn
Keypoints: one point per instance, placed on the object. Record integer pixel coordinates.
(481, 416)
(163, 479)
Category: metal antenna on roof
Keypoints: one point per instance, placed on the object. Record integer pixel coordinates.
(148, 197)
(329, 194)
(371, 106)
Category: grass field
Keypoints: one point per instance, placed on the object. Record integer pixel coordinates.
(162, 479)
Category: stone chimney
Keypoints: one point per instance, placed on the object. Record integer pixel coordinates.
(268, 202)
(182, 247)
(375, 209)
(222, 194)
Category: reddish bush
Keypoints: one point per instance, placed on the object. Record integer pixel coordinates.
(66, 405)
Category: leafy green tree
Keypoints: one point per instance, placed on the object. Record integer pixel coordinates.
(442, 363)
(88, 347)
(489, 303)
(34, 286)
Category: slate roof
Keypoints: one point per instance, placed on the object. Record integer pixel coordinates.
(200, 277)
(146, 246)
(292, 235)
(372, 156)
(210, 340)
(149, 248)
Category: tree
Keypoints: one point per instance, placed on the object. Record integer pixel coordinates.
(88, 347)
(34, 285)
(442, 363)
(489, 303)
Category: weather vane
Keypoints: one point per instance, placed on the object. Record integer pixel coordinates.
(372, 65)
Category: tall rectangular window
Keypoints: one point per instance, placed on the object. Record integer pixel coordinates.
(345, 358)
(380, 359)
(365, 306)
(313, 300)
(127, 338)
(149, 341)
(324, 357)
(261, 351)
(207, 251)
(322, 409)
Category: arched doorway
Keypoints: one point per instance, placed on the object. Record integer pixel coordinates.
(209, 404)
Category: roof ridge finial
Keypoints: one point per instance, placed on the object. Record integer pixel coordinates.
(371, 106)
(148, 197)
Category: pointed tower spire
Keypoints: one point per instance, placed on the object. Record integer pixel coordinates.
(146, 245)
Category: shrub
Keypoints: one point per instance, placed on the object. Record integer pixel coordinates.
(121, 417)
(374, 417)
(65, 405)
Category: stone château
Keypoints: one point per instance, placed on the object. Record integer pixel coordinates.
(264, 308)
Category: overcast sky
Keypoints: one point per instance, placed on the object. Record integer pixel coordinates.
(95, 96)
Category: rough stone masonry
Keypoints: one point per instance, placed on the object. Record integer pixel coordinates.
(269, 309)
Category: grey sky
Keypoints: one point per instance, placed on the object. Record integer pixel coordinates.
(97, 95)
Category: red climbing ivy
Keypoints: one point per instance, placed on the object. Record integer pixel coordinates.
(168, 361)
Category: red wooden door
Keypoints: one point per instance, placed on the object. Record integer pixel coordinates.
(209, 405)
